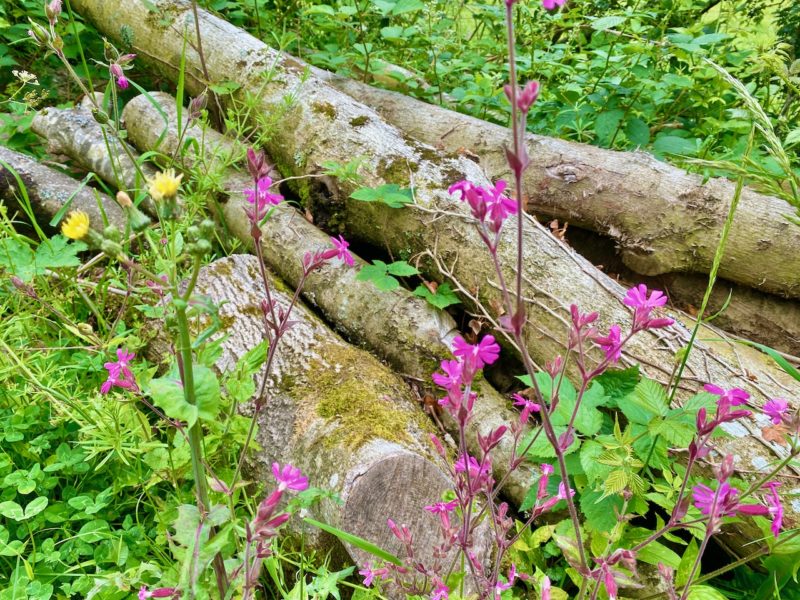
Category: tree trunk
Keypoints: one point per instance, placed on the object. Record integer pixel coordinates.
(323, 124)
(663, 218)
(49, 191)
(348, 422)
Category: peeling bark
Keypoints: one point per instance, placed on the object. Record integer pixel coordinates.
(49, 190)
(663, 218)
(324, 124)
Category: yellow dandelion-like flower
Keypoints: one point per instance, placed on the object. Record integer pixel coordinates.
(164, 185)
(76, 226)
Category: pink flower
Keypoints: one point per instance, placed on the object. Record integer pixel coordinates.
(775, 409)
(476, 356)
(486, 201)
(440, 591)
(528, 407)
(545, 588)
(480, 475)
(451, 379)
(261, 197)
(551, 4)
(611, 344)
(289, 477)
(119, 373)
(118, 75)
(525, 97)
(340, 251)
(443, 509)
(774, 507)
(732, 397)
(643, 305)
(369, 574)
(157, 593)
(727, 502)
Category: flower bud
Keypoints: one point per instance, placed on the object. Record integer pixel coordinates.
(124, 200)
(112, 233)
(39, 34)
(99, 116)
(111, 248)
(207, 227)
(53, 11)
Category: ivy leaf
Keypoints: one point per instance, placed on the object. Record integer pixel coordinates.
(391, 194)
(442, 298)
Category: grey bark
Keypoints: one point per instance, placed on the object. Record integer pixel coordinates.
(49, 190)
(663, 218)
(324, 124)
(335, 412)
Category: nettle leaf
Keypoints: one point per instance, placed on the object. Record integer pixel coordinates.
(442, 298)
(590, 452)
(390, 194)
(541, 448)
(637, 131)
(618, 383)
(678, 428)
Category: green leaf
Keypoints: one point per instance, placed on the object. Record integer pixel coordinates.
(687, 561)
(782, 362)
(705, 592)
(618, 383)
(356, 541)
(608, 22)
(672, 144)
(606, 125)
(35, 506)
(377, 273)
(11, 510)
(207, 393)
(167, 394)
(401, 268)
(637, 131)
(390, 194)
(405, 6)
(590, 451)
(648, 401)
(601, 513)
(655, 552)
(94, 531)
(443, 297)
(226, 87)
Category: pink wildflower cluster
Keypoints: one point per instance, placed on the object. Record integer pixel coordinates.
(726, 399)
(643, 305)
(264, 526)
(119, 373)
(261, 198)
(724, 502)
(488, 204)
(339, 250)
(458, 374)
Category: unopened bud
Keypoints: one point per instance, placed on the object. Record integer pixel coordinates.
(111, 248)
(193, 233)
(112, 233)
(124, 200)
(53, 11)
(99, 116)
(207, 228)
(39, 34)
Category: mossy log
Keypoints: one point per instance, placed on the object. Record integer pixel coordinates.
(662, 218)
(346, 420)
(323, 124)
(397, 326)
(49, 190)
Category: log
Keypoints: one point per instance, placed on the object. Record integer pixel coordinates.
(349, 423)
(75, 133)
(336, 412)
(663, 218)
(400, 328)
(324, 124)
(49, 190)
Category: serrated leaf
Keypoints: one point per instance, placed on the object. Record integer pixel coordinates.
(637, 131)
(618, 383)
(705, 592)
(58, 252)
(590, 451)
(648, 401)
(616, 481)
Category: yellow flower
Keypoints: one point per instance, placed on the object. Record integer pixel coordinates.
(76, 226)
(164, 185)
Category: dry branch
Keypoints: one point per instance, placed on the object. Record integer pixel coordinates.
(663, 218)
(323, 124)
